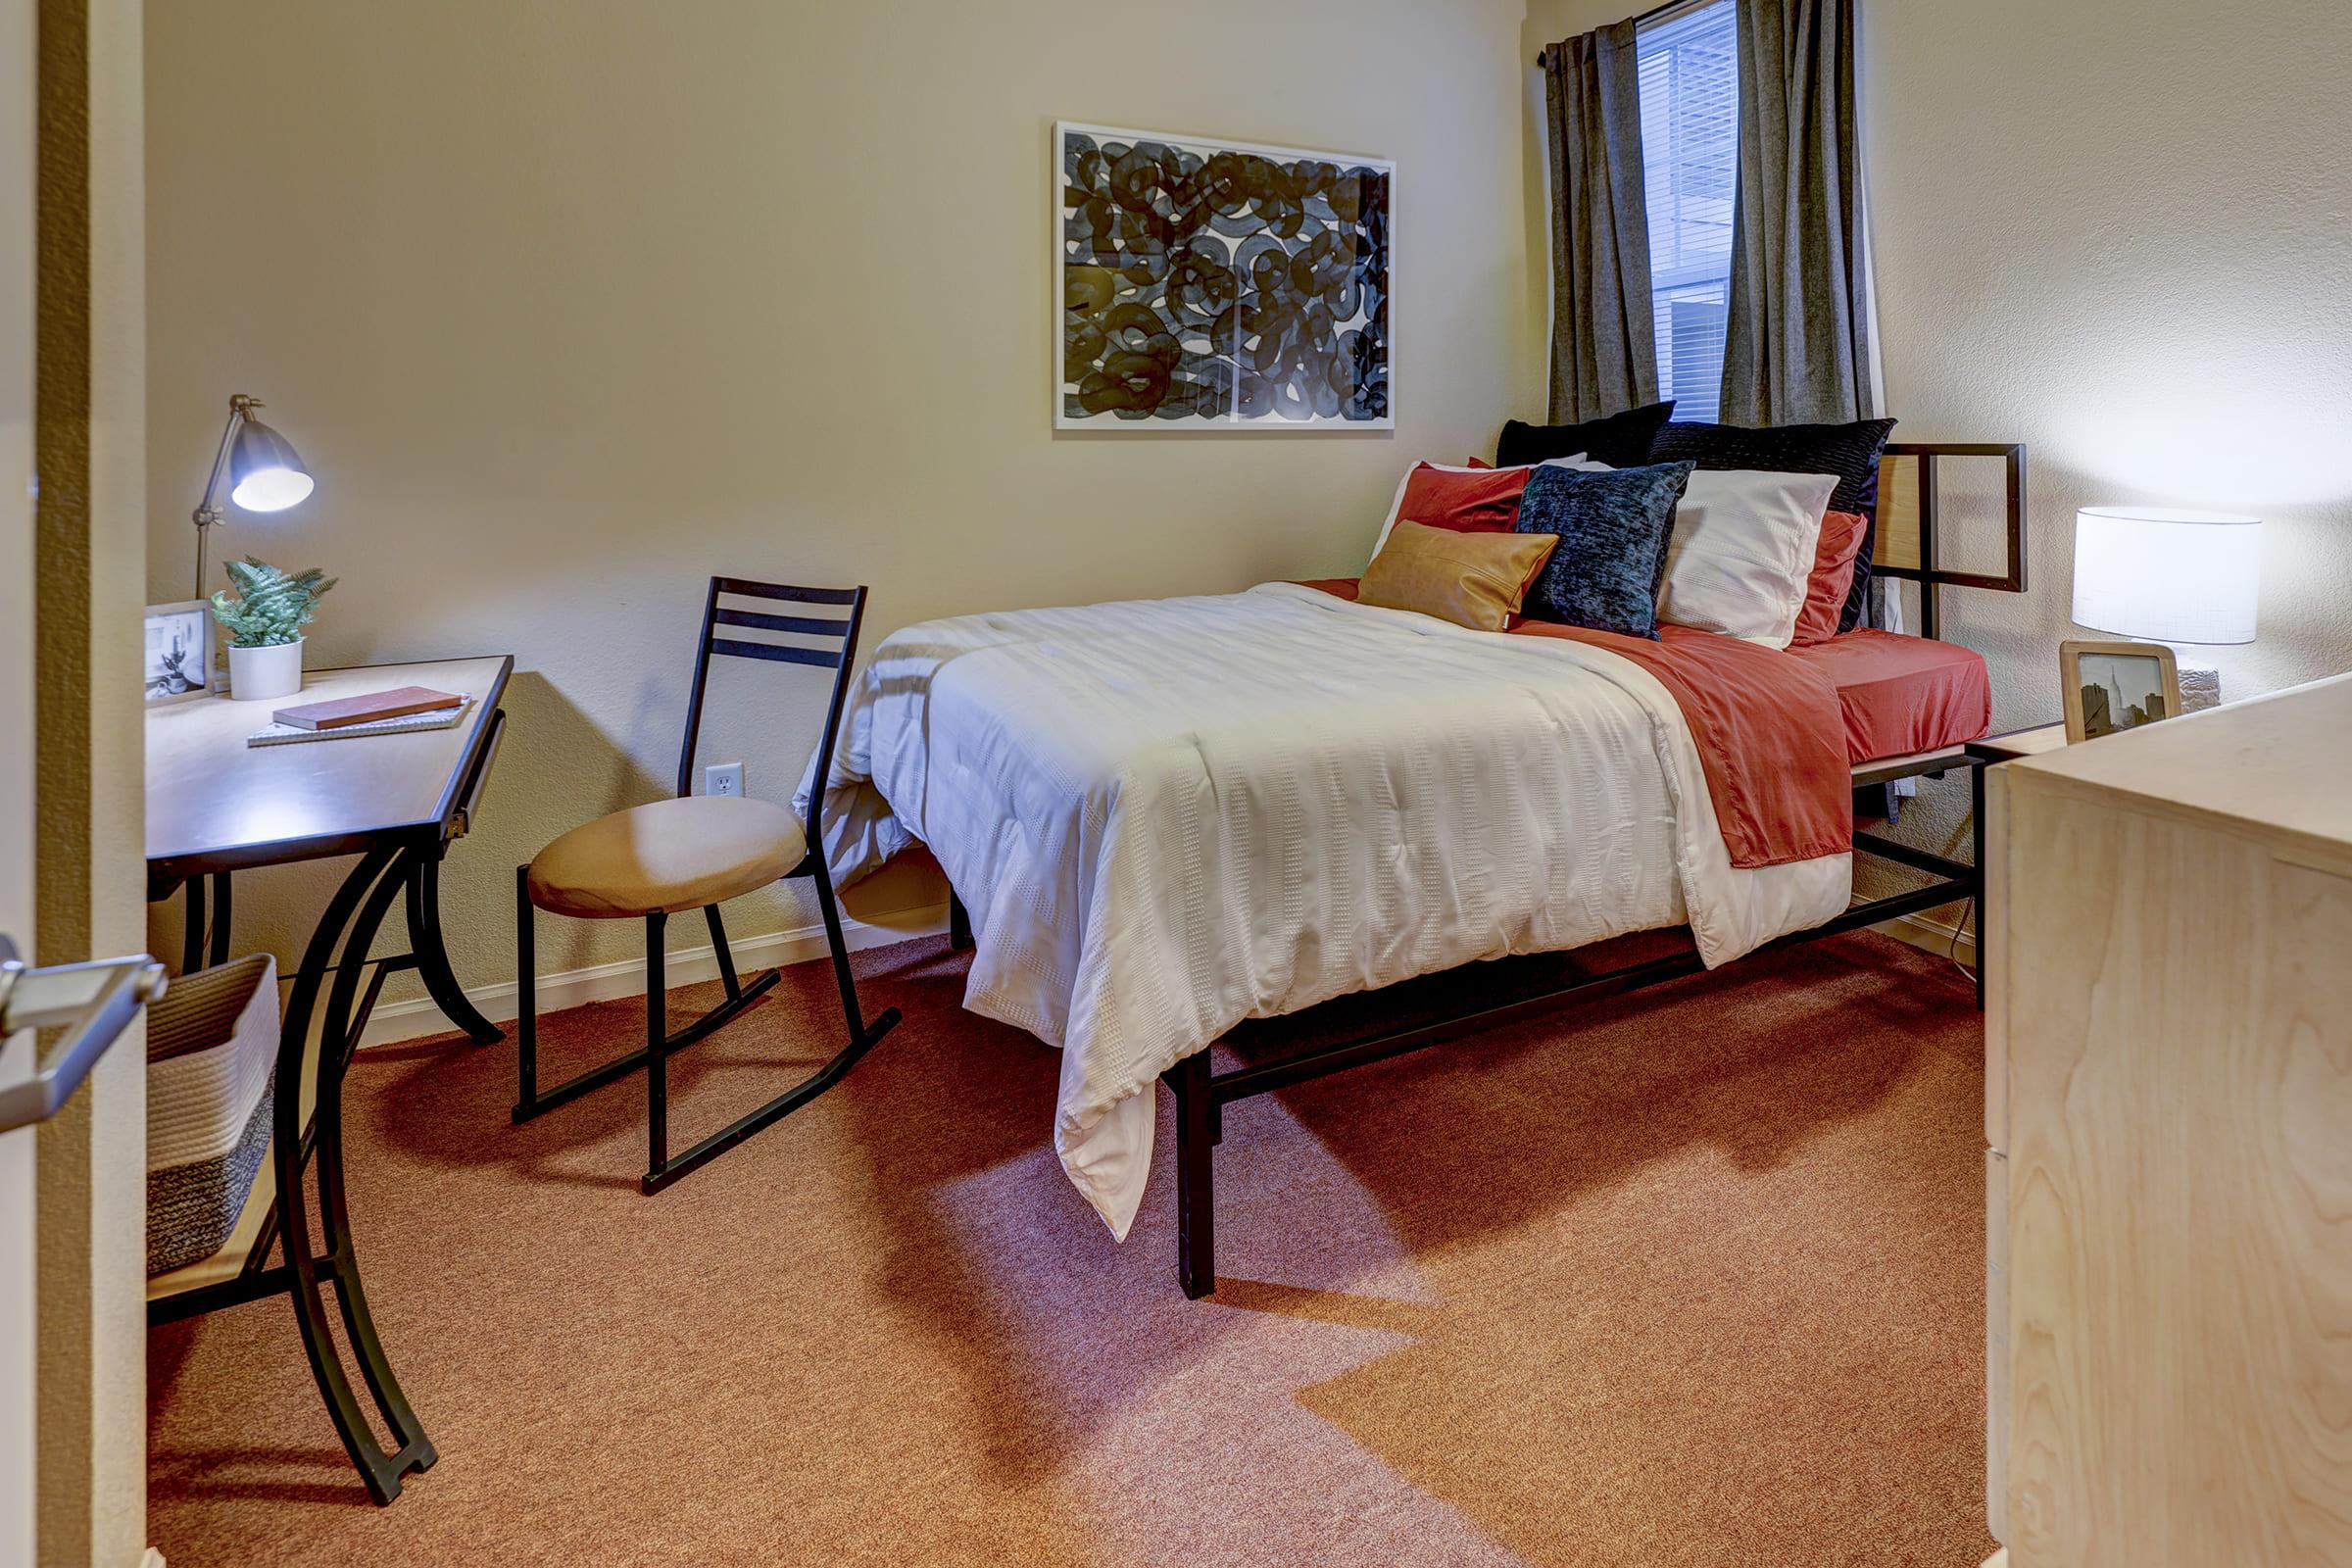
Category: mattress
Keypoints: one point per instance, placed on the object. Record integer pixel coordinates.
(1900, 695)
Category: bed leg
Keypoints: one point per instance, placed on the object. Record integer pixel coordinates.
(959, 924)
(1975, 784)
(1195, 1187)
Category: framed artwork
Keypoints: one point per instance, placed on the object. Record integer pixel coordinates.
(179, 651)
(2112, 687)
(1219, 286)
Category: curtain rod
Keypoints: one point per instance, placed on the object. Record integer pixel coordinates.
(1658, 13)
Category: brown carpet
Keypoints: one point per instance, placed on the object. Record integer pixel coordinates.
(1693, 1277)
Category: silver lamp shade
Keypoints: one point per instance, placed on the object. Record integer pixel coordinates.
(265, 474)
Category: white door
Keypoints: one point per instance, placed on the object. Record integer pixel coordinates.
(16, 92)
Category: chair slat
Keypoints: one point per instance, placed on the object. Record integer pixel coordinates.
(778, 651)
(765, 623)
(778, 590)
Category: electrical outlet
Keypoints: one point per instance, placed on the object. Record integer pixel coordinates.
(723, 779)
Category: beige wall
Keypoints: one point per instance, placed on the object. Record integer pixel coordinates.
(2115, 230)
(570, 305)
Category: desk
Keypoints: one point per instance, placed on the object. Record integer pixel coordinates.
(217, 806)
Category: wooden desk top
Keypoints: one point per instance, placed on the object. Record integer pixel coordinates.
(216, 804)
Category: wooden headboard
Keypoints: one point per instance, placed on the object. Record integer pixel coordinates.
(1906, 542)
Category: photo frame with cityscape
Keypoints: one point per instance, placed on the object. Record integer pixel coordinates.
(2112, 687)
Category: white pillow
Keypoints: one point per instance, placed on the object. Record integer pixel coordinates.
(1396, 502)
(1743, 551)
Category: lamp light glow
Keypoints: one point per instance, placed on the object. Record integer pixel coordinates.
(271, 489)
(2166, 574)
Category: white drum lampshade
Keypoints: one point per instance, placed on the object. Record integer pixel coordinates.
(2168, 575)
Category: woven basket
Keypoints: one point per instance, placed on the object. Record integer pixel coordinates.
(212, 1055)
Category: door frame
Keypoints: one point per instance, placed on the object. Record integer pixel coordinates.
(19, 1298)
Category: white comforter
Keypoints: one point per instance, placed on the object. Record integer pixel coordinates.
(1169, 815)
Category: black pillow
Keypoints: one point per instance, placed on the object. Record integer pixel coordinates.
(1620, 440)
(1613, 529)
(1849, 451)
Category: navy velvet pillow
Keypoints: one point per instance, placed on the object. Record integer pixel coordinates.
(1610, 562)
(1851, 452)
(1620, 440)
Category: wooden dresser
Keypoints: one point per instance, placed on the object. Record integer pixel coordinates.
(2169, 1110)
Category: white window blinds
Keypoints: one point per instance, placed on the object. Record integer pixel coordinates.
(1689, 67)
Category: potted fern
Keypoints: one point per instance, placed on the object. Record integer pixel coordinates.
(265, 625)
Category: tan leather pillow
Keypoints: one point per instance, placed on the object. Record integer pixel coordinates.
(1472, 579)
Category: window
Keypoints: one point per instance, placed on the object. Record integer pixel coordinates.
(1689, 67)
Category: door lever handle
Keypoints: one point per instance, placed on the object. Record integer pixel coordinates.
(93, 1002)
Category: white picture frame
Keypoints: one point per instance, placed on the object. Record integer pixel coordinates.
(177, 661)
(1368, 403)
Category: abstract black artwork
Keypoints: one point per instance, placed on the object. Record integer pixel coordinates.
(1214, 283)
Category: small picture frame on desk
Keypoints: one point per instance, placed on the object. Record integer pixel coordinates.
(179, 652)
(2113, 687)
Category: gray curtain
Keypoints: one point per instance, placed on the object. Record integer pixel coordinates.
(1603, 359)
(1797, 344)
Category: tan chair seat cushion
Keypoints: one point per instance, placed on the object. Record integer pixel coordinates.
(666, 856)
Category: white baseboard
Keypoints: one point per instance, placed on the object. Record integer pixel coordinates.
(418, 1017)
(1936, 936)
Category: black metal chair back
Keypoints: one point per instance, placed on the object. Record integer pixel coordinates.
(835, 649)
(832, 645)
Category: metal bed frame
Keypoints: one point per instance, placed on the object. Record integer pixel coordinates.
(1201, 1094)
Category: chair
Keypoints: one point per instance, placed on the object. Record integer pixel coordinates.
(694, 853)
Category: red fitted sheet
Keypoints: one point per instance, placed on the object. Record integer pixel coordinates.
(1902, 695)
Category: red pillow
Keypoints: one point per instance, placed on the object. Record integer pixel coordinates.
(1833, 573)
(1482, 502)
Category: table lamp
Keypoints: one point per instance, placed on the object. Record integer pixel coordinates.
(262, 470)
(2168, 575)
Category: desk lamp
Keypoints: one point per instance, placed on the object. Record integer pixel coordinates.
(263, 472)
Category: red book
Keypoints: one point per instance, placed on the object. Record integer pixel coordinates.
(345, 710)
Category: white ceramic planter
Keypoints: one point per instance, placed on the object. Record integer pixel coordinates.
(256, 673)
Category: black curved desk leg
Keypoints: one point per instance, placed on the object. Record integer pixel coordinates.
(218, 952)
(432, 958)
(203, 941)
(351, 921)
(191, 935)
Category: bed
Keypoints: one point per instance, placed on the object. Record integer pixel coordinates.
(1163, 818)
